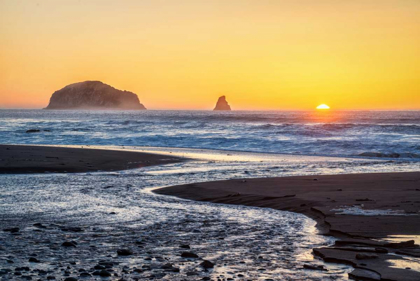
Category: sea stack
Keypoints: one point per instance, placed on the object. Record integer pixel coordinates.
(222, 104)
(93, 95)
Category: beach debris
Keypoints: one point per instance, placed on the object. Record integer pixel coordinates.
(189, 255)
(207, 264)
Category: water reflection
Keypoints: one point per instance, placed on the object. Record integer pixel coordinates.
(407, 263)
(115, 209)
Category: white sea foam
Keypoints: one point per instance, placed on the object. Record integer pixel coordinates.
(392, 135)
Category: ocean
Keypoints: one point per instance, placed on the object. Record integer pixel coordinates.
(384, 134)
(118, 209)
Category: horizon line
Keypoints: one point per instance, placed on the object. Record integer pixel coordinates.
(173, 109)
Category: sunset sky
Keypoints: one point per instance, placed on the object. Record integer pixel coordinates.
(286, 55)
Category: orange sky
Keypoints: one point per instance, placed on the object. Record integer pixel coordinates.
(295, 54)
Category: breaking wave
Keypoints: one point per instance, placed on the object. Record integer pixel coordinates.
(351, 133)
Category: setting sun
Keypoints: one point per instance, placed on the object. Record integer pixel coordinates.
(322, 106)
(225, 92)
(182, 54)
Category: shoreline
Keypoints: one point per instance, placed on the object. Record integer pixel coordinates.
(322, 198)
(318, 197)
(27, 159)
(73, 223)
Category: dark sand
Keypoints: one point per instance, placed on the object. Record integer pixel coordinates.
(23, 159)
(316, 196)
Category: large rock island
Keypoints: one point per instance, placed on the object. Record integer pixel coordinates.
(222, 104)
(93, 95)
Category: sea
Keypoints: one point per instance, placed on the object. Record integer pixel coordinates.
(383, 134)
(119, 209)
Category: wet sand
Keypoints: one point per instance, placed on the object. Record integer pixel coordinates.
(315, 196)
(24, 159)
(394, 199)
(89, 226)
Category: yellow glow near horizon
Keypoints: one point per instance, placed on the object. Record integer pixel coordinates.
(322, 106)
(263, 55)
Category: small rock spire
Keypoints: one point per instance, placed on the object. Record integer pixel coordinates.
(222, 104)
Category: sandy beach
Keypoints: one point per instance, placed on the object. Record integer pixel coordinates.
(361, 210)
(340, 205)
(107, 224)
(25, 159)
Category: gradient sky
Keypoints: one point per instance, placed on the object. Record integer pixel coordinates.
(296, 54)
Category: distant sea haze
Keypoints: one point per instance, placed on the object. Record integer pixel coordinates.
(347, 133)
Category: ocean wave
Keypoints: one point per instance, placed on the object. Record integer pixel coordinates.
(389, 155)
(365, 134)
